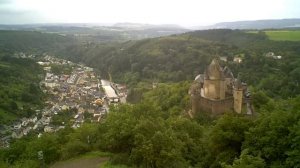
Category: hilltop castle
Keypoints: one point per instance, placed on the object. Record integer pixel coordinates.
(217, 91)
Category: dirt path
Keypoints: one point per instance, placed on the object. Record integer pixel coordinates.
(81, 163)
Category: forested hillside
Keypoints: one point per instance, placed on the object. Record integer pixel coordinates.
(156, 131)
(19, 81)
(181, 57)
(174, 58)
(19, 88)
(31, 41)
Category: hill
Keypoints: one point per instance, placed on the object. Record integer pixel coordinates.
(98, 33)
(31, 41)
(156, 131)
(182, 57)
(256, 24)
(173, 58)
(19, 88)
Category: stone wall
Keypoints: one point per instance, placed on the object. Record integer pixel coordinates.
(214, 89)
(214, 106)
(238, 100)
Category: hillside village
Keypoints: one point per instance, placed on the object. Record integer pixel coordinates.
(72, 99)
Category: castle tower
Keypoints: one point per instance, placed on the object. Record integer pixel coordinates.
(194, 92)
(214, 81)
(229, 79)
(237, 96)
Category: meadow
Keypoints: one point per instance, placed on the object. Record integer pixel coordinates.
(281, 35)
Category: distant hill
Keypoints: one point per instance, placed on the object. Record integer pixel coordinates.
(146, 26)
(256, 24)
(102, 32)
(31, 41)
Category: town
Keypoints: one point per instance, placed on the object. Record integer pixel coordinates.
(74, 96)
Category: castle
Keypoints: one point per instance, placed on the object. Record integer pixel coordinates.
(217, 91)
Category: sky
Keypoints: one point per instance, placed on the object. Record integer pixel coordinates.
(182, 12)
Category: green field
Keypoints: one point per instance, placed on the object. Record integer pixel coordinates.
(284, 35)
(281, 35)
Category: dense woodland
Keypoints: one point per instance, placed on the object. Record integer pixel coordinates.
(181, 57)
(20, 93)
(156, 131)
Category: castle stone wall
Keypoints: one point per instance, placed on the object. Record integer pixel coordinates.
(214, 106)
(214, 89)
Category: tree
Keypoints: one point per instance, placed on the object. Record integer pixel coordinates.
(247, 161)
(226, 138)
(274, 137)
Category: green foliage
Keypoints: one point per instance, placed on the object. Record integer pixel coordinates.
(64, 144)
(19, 88)
(169, 97)
(274, 136)
(247, 161)
(149, 139)
(61, 69)
(144, 135)
(173, 58)
(226, 138)
(27, 164)
(64, 116)
(259, 99)
(80, 141)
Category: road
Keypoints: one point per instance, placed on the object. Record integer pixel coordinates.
(81, 163)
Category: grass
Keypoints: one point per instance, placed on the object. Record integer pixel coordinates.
(281, 35)
(284, 35)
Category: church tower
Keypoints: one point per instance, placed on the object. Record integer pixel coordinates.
(214, 81)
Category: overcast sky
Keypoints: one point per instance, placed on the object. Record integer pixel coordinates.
(181, 12)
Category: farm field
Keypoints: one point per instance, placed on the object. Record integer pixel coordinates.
(281, 35)
(284, 35)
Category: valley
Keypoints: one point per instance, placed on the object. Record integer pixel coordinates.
(147, 121)
(72, 98)
(149, 84)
